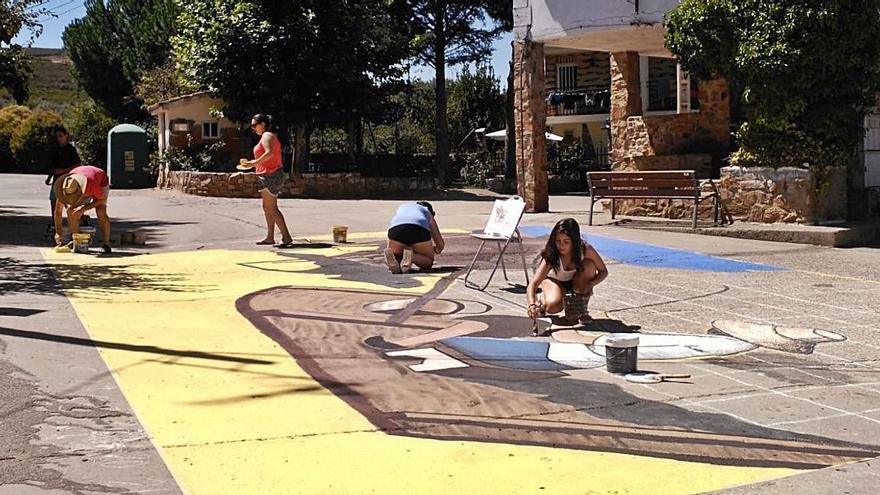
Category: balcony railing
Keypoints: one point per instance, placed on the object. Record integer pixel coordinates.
(591, 100)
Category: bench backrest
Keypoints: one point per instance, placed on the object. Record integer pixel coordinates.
(651, 184)
(505, 217)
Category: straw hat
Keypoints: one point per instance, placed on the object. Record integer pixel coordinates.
(70, 188)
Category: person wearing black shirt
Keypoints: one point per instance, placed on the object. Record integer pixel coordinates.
(63, 158)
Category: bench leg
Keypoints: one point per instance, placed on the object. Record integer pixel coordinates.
(592, 203)
(613, 209)
(696, 210)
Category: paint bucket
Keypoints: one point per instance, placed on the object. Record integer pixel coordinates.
(81, 242)
(621, 352)
(340, 233)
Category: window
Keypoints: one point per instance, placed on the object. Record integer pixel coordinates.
(180, 126)
(566, 77)
(210, 130)
(662, 78)
(666, 88)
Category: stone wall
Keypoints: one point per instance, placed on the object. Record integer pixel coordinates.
(760, 194)
(764, 195)
(245, 185)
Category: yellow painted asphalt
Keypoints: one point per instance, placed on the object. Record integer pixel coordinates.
(232, 412)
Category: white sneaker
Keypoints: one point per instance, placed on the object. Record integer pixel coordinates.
(391, 261)
(406, 262)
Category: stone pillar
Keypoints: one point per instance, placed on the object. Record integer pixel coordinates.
(626, 99)
(530, 120)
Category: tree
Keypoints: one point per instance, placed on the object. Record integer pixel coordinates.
(114, 44)
(15, 70)
(475, 100)
(33, 140)
(162, 83)
(11, 118)
(450, 33)
(310, 63)
(89, 126)
(804, 72)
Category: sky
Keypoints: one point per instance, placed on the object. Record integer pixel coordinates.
(68, 10)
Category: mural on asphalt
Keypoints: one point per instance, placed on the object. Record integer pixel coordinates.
(451, 369)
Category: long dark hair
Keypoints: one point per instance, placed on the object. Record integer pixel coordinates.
(569, 227)
(262, 118)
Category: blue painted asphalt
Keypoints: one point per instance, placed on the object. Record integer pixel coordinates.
(636, 253)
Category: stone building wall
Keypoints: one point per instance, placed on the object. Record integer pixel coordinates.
(245, 185)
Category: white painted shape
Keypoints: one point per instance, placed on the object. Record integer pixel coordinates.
(433, 360)
(674, 346)
(575, 355)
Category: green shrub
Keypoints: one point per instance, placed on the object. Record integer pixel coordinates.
(89, 126)
(32, 142)
(11, 118)
(473, 168)
(195, 157)
(565, 161)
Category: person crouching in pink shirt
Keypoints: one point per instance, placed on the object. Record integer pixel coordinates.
(82, 189)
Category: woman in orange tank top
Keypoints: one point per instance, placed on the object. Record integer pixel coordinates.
(270, 173)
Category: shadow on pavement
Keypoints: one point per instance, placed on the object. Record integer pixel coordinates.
(27, 229)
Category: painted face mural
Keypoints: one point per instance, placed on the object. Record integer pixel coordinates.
(443, 369)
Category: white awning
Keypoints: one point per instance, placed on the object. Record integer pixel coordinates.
(502, 135)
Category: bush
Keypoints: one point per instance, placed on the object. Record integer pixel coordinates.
(473, 168)
(195, 157)
(565, 161)
(32, 142)
(11, 118)
(89, 126)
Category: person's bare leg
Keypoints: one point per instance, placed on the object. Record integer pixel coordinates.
(278, 218)
(270, 217)
(396, 248)
(581, 285)
(423, 254)
(104, 222)
(552, 296)
(73, 219)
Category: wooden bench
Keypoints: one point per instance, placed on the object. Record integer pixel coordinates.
(661, 184)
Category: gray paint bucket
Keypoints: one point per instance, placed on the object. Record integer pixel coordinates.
(621, 352)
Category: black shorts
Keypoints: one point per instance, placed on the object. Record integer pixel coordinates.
(567, 285)
(409, 234)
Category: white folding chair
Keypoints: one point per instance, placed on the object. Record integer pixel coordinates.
(502, 228)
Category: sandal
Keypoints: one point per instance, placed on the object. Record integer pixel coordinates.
(265, 242)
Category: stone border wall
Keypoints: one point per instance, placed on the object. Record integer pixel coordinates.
(786, 194)
(245, 184)
(758, 194)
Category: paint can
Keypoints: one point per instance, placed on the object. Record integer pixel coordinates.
(621, 352)
(81, 242)
(139, 237)
(340, 233)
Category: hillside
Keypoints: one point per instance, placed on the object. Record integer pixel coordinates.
(52, 86)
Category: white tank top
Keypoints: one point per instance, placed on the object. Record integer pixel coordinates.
(562, 274)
